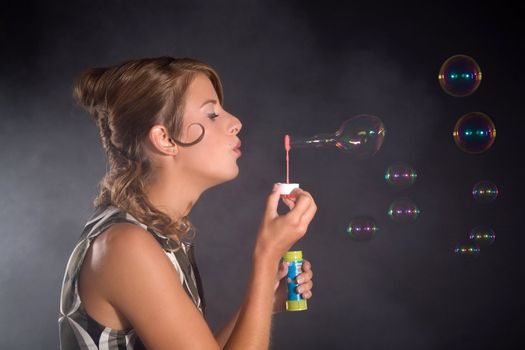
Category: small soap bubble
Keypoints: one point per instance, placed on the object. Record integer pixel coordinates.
(400, 175)
(467, 248)
(460, 76)
(474, 132)
(403, 210)
(485, 191)
(482, 235)
(362, 228)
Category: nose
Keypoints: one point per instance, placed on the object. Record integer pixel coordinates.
(235, 126)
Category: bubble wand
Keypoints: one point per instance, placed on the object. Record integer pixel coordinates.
(286, 188)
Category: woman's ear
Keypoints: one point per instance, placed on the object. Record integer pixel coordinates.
(161, 141)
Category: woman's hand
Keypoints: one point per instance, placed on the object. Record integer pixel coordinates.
(277, 233)
(281, 285)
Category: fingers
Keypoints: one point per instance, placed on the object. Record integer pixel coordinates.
(290, 203)
(303, 199)
(307, 273)
(310, 213)
(304, 209)
(305, 280)
(307, 266)
(277, 233)
(305, 290)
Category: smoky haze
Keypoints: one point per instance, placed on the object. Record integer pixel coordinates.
(296, 68)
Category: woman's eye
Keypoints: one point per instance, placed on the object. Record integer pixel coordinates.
(213, 115)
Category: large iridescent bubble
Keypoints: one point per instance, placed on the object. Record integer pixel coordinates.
(400, 175)
(482, 235)
(361, 135)
(459, 76)
(403, 210)
(474, 132)
(485, 191)
(467, 248)
(362, 228)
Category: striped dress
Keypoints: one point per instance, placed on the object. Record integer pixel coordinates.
(77, 329)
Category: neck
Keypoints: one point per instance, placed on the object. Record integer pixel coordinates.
(173, 195)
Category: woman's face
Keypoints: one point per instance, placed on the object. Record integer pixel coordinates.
(213, 160)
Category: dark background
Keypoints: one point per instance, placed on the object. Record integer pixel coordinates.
(287, 67)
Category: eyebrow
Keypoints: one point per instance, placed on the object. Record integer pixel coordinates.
(208, 101)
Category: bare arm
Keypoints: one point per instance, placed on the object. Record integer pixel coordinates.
(224, 334)
(279, 298)
(276, 235)
(252, 330)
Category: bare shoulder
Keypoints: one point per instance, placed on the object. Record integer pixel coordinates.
(104, 260)
(124, 241)
(118, 248)
(139, 281)
(127, 252)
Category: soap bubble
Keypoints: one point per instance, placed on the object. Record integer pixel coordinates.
(459, 76)
(403, 210)
(400, 175)
(485, 191)
(482, 235)
(361, 135)
(474, 132)
(467, 248)
(362, 228)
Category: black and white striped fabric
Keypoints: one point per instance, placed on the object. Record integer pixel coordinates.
(77, 329)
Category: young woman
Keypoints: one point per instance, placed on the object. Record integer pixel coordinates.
(131, 281)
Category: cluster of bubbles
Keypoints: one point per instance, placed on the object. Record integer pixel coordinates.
(402, 210)
(480, 236)
(473, 133)
(459, 76)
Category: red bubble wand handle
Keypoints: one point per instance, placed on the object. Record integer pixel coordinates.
(287, 148)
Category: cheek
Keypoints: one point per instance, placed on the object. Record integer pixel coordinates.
(193, 132)
(196, 157)
(202, 155)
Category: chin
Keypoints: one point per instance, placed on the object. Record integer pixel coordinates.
(233, 175)
(227, 177)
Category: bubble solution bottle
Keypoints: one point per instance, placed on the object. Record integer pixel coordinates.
(294, 301)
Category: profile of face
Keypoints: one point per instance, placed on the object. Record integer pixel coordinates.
(213, 160)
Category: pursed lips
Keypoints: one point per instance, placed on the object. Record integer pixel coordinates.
(237, 146)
